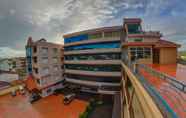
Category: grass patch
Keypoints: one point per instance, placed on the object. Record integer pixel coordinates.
(90, 108)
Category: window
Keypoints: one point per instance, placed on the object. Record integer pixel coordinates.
(38, 81)
(139, 53)
(147, 52)
(44, 50)
(35, 59)
(55, 68)
(55, 59)
(134, 28)
(44, 60)
(135, 40)
(76, 38)
(44, 71)
(95, 36)
(94, 67)
(55, 50)
(92, 78)
(112, 34)
(109, 56)
(36, 70)
(35, 49)
(94, 46)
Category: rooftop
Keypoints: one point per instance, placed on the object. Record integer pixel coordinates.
(113, 28)
(173, 96)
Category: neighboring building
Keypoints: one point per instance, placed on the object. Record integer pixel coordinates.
(92, 59)
(44, 65)
(146, 47)
(6, 64)
(19, 65)
(8, 76)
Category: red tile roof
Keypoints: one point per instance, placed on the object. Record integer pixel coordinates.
(164, 43)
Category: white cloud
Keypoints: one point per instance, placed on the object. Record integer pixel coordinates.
(12, 11)
(51, 19)
(8, 52)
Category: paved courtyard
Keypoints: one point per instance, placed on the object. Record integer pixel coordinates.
(49, 107)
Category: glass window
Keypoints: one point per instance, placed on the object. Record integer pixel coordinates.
(44, 60)
(76, 38)
(56, 68)
(112, 34)
(135, 39)
(97, 79)
(139, 53)
(94, 46)
(55, 59)
(109, 56)
(94, 67)
(55, 50)
(44, 50)
(35, 59)
(134, 28)
(44, 71)
(95, 36)
(35, 49)
(36, 70)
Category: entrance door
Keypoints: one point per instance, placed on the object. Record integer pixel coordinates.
(156, 56)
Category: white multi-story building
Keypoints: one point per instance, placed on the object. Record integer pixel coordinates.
(45, 64)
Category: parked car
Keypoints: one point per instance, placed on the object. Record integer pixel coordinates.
(34, 96)
(69, 98)
(13, 93)
(21, 90)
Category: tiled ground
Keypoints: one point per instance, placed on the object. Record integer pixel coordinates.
(178, 71)
(175, 98)
(50, 107)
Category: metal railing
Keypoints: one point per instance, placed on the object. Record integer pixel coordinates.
(171, 80)
(166, 110)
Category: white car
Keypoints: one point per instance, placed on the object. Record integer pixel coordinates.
(68, 98)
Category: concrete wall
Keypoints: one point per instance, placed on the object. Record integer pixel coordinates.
(168, 55)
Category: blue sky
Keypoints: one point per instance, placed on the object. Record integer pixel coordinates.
(50, 19)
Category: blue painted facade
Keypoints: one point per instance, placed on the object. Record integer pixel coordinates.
(94, 46)
(29, 59)
(76, 38)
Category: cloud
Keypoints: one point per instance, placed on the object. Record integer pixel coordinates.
(8, 52)
(51, 19)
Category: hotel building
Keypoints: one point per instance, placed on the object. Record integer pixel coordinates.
(92, 59)
(44, 66)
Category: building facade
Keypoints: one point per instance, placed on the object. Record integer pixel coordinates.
(6, 64)
(141, 47)
(45, 65)
(146, 47)
(92, 59)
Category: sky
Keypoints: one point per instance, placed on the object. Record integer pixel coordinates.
(50, 19)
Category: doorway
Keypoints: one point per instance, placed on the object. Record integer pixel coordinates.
(156, 56)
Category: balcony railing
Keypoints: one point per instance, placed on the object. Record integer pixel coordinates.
(161, 103)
